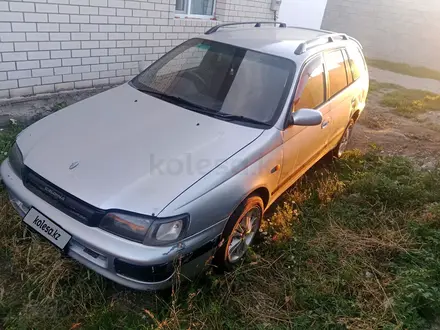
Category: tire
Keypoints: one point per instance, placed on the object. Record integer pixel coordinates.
(339, 150)
(239, 233)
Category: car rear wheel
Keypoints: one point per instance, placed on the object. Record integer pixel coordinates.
(343, 143)
(239, 233)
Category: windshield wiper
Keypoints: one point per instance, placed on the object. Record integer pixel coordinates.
(179, 101)
(227, 116)
(200, 108)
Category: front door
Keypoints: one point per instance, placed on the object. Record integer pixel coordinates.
(303, 146)
(342, 98)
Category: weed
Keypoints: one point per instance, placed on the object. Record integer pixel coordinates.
(406, 102)
(406, 69)
(59, 106)
(376, 86)
(418, 278)
(7, 139)
(411, 102)
(355, 244)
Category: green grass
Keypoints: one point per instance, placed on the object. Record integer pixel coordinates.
(408, 103)
(406, 69)
(7, 139)
(411, 102)
(58, 106)
(376, 86)
(355, 244)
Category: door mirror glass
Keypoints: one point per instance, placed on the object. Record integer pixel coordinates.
(306, 117)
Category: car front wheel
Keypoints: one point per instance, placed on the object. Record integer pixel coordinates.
(239, 233)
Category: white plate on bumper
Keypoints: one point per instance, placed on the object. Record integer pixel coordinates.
(47, 228)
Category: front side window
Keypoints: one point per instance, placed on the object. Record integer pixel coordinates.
(310, 90)
(195, 7)
(221, 80)
(336, 72)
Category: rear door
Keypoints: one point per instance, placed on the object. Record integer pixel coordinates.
(340, 98)
(358, 70)
(303, 146)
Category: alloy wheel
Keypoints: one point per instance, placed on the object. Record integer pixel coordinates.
(243, 234)
(345, 139)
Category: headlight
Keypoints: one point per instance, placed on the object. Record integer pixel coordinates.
(169, 231)
(143, 229)
(132, 227)
(16, 159)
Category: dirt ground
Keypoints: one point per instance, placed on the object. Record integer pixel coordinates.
(417, 138)
(30, 109)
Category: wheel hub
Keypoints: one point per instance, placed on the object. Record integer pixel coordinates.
(243, 234)
(344, 141)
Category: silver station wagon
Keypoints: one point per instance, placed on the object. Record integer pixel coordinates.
(178, 165)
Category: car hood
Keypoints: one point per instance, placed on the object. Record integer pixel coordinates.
(123, 149)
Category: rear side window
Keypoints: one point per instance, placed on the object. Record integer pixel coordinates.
(356, 61)
(347, 67)
(310, 91)
(336, 72)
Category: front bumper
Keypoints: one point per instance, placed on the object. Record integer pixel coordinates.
(128, 263)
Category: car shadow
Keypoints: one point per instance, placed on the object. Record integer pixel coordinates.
(325, 162)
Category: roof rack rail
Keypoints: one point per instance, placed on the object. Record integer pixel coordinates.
(326, 38)
(256, 24)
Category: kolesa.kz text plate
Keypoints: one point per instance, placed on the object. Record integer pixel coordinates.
(47, 228)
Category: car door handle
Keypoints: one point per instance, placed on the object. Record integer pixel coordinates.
(324, 124)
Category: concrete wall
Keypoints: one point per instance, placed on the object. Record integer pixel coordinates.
(398, 30)
(52, 45)
(304, 13)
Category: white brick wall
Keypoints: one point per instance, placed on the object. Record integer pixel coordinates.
(52, 45)
(399, 30)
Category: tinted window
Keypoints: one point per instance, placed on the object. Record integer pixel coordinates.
(357, 63)
(336, 71)
(222, 78)
(310, 91)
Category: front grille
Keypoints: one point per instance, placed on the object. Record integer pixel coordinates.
(63, 201)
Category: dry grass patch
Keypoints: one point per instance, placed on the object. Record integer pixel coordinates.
(411, 103)
(355, 244)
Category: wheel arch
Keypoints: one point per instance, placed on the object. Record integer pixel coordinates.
(263, 192)
(355, 115)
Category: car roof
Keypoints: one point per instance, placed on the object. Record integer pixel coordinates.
(280, 41)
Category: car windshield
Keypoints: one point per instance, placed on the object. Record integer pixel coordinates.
(221, 80)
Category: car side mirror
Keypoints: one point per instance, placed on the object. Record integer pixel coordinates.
(306, 117)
